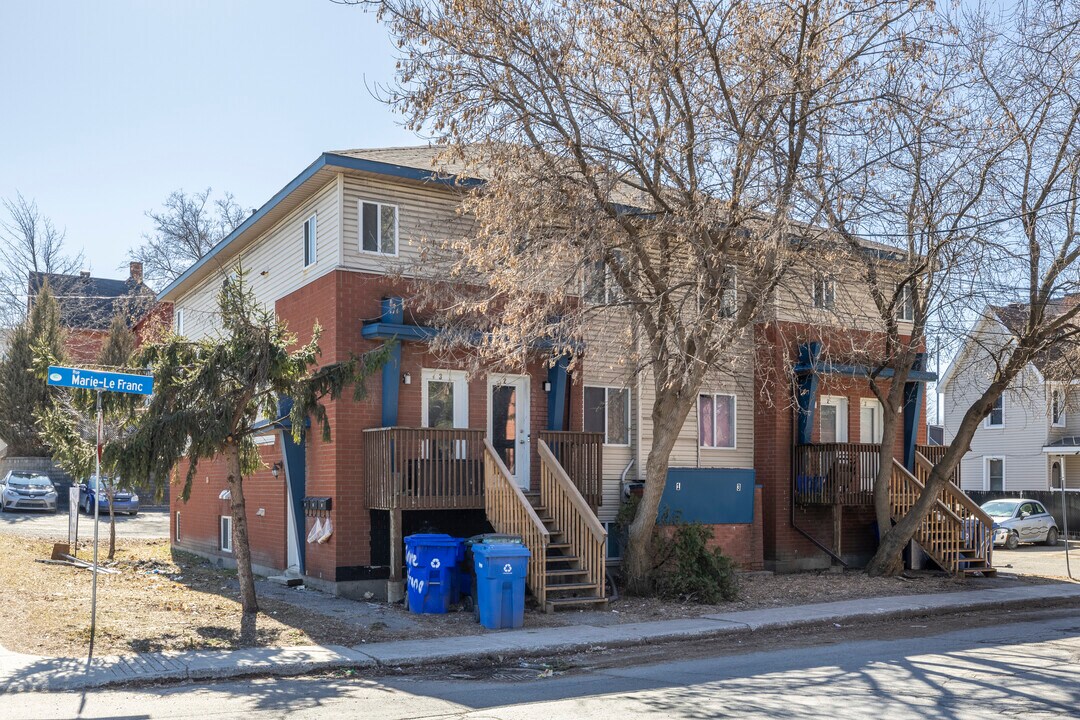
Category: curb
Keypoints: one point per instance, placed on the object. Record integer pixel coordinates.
(138, 671)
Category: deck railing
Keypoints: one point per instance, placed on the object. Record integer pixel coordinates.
(977, 528)
(581, 454)
(509, 511)
(424, 468)
(574, 518)
(836, 473)
(934, 454)
(941, 532)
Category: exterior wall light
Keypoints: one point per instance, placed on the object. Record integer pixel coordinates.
(406, 379)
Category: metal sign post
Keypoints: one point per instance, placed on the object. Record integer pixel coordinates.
(99, 382)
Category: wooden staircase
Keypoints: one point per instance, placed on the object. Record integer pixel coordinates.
(956, 533)
(567, 541)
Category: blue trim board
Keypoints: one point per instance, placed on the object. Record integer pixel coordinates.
(913, 401)
(397, 331)
(560, 384)
(828, 368)
(294, 456)
(806, 392)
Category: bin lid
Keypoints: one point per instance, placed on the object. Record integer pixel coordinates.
(501, 550)
(494, 539)
(436, 539)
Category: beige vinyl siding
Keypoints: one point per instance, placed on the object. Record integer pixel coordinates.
(280, 254)
(853, 307)
(427, 214)
(1026, 422)
(1072, 472)
(608, 363)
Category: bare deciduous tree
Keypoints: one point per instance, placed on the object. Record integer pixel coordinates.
(652, 152)
(185, 228)
(29, 243)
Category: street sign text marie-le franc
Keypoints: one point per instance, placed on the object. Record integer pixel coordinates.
(100, 380)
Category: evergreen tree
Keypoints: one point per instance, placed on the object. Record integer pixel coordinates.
(23, 394)
(210, 396)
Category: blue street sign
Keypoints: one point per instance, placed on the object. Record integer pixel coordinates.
(99, 380)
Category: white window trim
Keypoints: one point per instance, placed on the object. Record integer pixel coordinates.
(176, 533)
(841, 404)
(1062, 415)
(460, 379)
(734, 421)
(360, 228)
(607, 389)
(986, 471)
(313, 221)
(223, 535)
(986, 421)
(178, 321)
(905, 308)
(731, 291)
(827, 283)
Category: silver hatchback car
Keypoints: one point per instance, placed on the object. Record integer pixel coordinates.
(1017, 520)
(27, 491)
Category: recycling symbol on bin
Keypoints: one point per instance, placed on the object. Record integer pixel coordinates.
(507, 569)
(435, 563)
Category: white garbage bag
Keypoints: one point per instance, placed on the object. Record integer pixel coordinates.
(316, 531)
(327, 531)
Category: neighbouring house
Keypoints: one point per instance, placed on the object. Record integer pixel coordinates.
(89, 304)
(778, 456)
(1030, 441)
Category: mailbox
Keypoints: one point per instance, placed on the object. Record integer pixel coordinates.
(710, 496)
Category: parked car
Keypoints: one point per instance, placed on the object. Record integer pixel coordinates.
(1017, 520)
(90, 491)
(27, 491)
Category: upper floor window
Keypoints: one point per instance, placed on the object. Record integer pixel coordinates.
(716, 421)
(178, 321)
(729, 294)
(378, 228)
(309, 241)
(996, 418)
(1057, 407)
(824, 291)
(600, 285)
(607, 411)
(905, 304)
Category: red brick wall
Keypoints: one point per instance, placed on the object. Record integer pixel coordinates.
(84, 346)
(774, 438)
(742, 542)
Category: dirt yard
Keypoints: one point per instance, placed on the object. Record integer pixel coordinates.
(161, 601)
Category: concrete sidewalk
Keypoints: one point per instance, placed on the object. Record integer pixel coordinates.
(22, 673)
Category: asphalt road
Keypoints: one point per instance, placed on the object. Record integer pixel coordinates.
(1027, 669)
(54, 526)
(1039, 559)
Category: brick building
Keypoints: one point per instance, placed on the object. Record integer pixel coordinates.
(436, 447)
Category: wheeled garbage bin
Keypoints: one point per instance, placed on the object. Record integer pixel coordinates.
(431, 561)
(465, 591)
(500, 584)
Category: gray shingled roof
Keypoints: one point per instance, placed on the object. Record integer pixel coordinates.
(90, 303)
(1059, 362)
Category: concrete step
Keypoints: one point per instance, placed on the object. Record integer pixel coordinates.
(556, 603)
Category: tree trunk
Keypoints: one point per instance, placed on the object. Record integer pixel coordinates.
(669, 414)
(892, 564)
(241, 546)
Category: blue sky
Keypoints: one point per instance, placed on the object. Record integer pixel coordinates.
(111, 105)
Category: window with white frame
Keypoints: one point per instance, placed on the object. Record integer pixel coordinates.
(996, 418)
(309, 242)
(824, 291)
(378, 228)
(729, 294)
(226, 533)
(607, 411)
(600, 285)
(177, 529)
(833, 419)
(995, 473)
(178, 321)
(716, 421)
(1057, 407)
(905, 303)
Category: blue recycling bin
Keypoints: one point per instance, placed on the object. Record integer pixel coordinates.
(431, 561)
(500, 584)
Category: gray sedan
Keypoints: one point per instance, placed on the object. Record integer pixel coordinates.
(1017, 520)
(27, 491)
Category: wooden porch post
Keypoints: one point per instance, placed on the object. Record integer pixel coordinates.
(395, 590)
(838, 525)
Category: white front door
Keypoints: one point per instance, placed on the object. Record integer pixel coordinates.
(832, 427)
(870, 421)
(508, 423)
